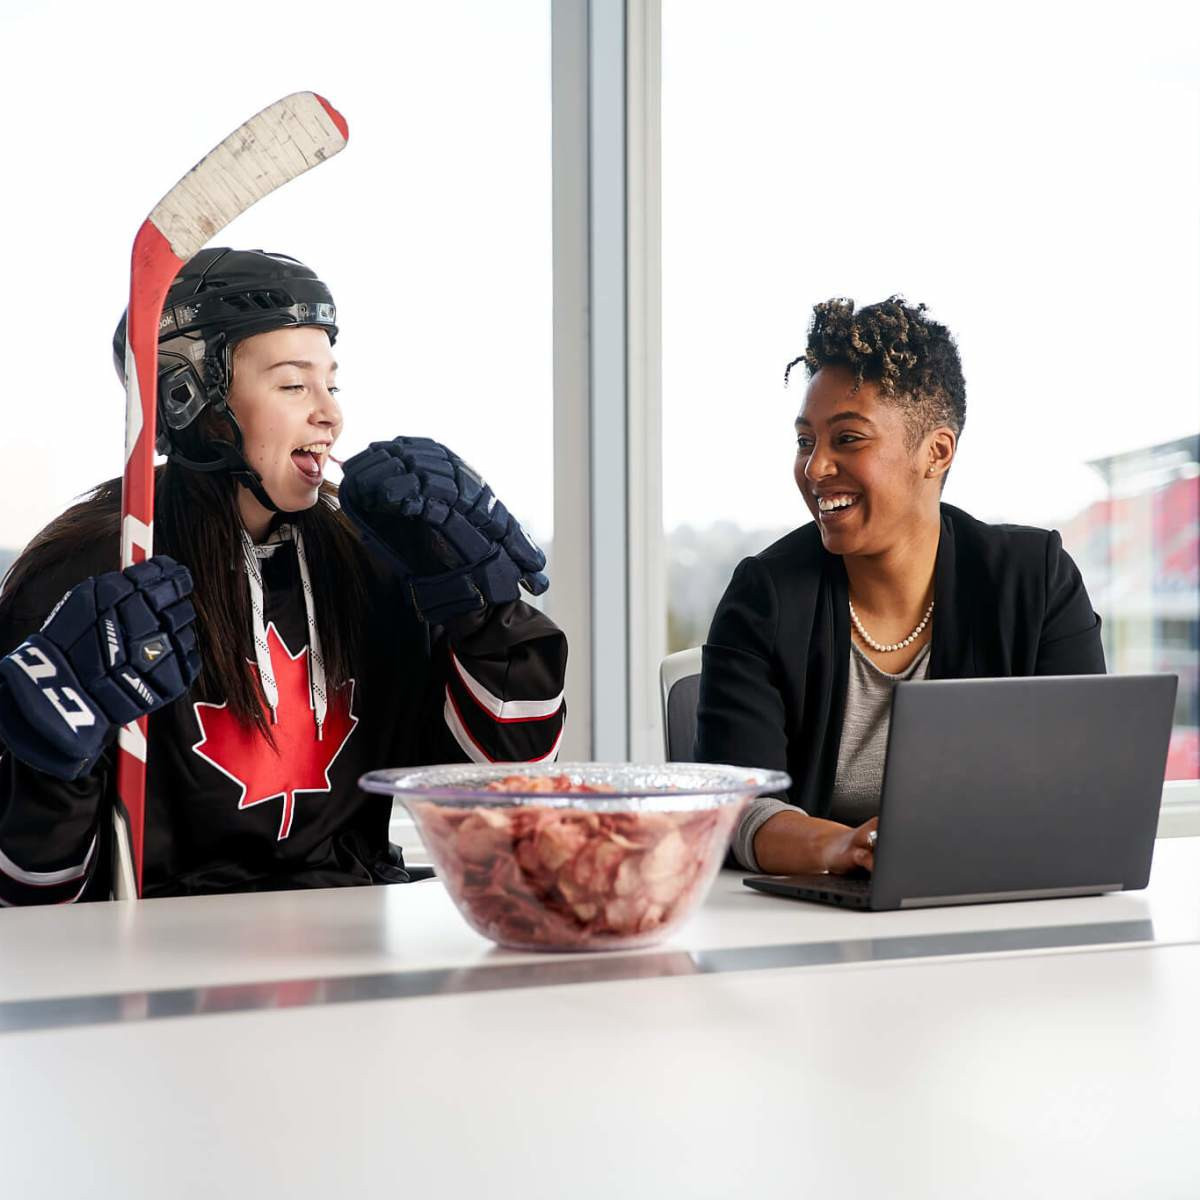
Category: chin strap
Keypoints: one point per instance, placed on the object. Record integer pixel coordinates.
(218, 372)
(229, 458)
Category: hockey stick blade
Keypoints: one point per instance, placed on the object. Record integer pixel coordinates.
(283, 141)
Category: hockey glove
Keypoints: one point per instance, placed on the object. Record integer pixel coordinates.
(457, 546)
(117, 646)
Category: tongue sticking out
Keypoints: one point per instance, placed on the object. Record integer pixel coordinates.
(307, 462)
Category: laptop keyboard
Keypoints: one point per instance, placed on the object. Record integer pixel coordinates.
(833, 889)
(847, 885)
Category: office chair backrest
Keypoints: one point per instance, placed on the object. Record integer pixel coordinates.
(679, 676)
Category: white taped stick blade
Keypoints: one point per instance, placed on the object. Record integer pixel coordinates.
(281, 142)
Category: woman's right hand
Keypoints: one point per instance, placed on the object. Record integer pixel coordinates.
(116, 647)
(793, 843)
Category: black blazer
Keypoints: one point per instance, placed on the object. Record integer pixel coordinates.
(1008, 601)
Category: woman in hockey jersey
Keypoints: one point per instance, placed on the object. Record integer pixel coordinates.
(305, 638)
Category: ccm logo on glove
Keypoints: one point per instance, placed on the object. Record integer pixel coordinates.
(39, 668)
(116, 647)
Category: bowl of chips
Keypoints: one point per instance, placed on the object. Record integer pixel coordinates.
(575, 856)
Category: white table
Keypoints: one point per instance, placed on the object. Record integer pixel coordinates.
(882, 1054)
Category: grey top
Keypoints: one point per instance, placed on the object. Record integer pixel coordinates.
(861, 752)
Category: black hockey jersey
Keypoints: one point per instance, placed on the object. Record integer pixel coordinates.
(225, 810)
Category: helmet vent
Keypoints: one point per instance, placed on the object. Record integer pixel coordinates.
(250, 302)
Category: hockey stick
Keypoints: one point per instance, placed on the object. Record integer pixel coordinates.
(281, 142)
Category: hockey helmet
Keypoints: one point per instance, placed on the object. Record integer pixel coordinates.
(219, 298)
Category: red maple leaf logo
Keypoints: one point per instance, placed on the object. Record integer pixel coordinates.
(299, 763)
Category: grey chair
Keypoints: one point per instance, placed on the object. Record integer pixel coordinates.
(679, 676)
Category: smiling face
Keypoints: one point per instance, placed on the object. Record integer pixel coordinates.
(859, 474)
(284, 398)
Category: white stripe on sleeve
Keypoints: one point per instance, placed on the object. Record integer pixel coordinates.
(473, 750)
(506, 710)
(46, 878)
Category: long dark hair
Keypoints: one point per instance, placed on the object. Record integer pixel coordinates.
(197, 523)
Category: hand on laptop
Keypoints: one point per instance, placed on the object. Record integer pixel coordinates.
(859, 850)
(792, 843)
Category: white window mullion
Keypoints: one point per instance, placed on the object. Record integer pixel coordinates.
(569, 600)
(646, 543)
(608, 570)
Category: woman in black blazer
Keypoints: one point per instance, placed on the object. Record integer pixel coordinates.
(887, 582)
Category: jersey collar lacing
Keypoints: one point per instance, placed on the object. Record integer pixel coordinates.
(316, 664)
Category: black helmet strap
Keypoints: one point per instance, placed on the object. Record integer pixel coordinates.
(229, 458)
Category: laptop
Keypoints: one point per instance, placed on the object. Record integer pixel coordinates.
(1011, 789)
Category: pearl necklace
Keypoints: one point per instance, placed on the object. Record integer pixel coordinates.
(878, 646)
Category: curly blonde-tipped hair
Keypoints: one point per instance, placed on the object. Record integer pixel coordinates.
(912, 358)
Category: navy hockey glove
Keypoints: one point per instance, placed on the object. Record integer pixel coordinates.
(457, 546)
(117, 646)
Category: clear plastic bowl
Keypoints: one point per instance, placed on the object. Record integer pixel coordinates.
(576, 856)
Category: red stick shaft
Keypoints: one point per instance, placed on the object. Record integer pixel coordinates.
(153, 268)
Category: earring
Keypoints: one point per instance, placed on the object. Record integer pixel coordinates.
(930, 471)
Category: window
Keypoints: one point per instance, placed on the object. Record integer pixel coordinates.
(1035, 180)
(432, 229)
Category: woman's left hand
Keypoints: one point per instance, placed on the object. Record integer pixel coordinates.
(792, 842)
(862, 844)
